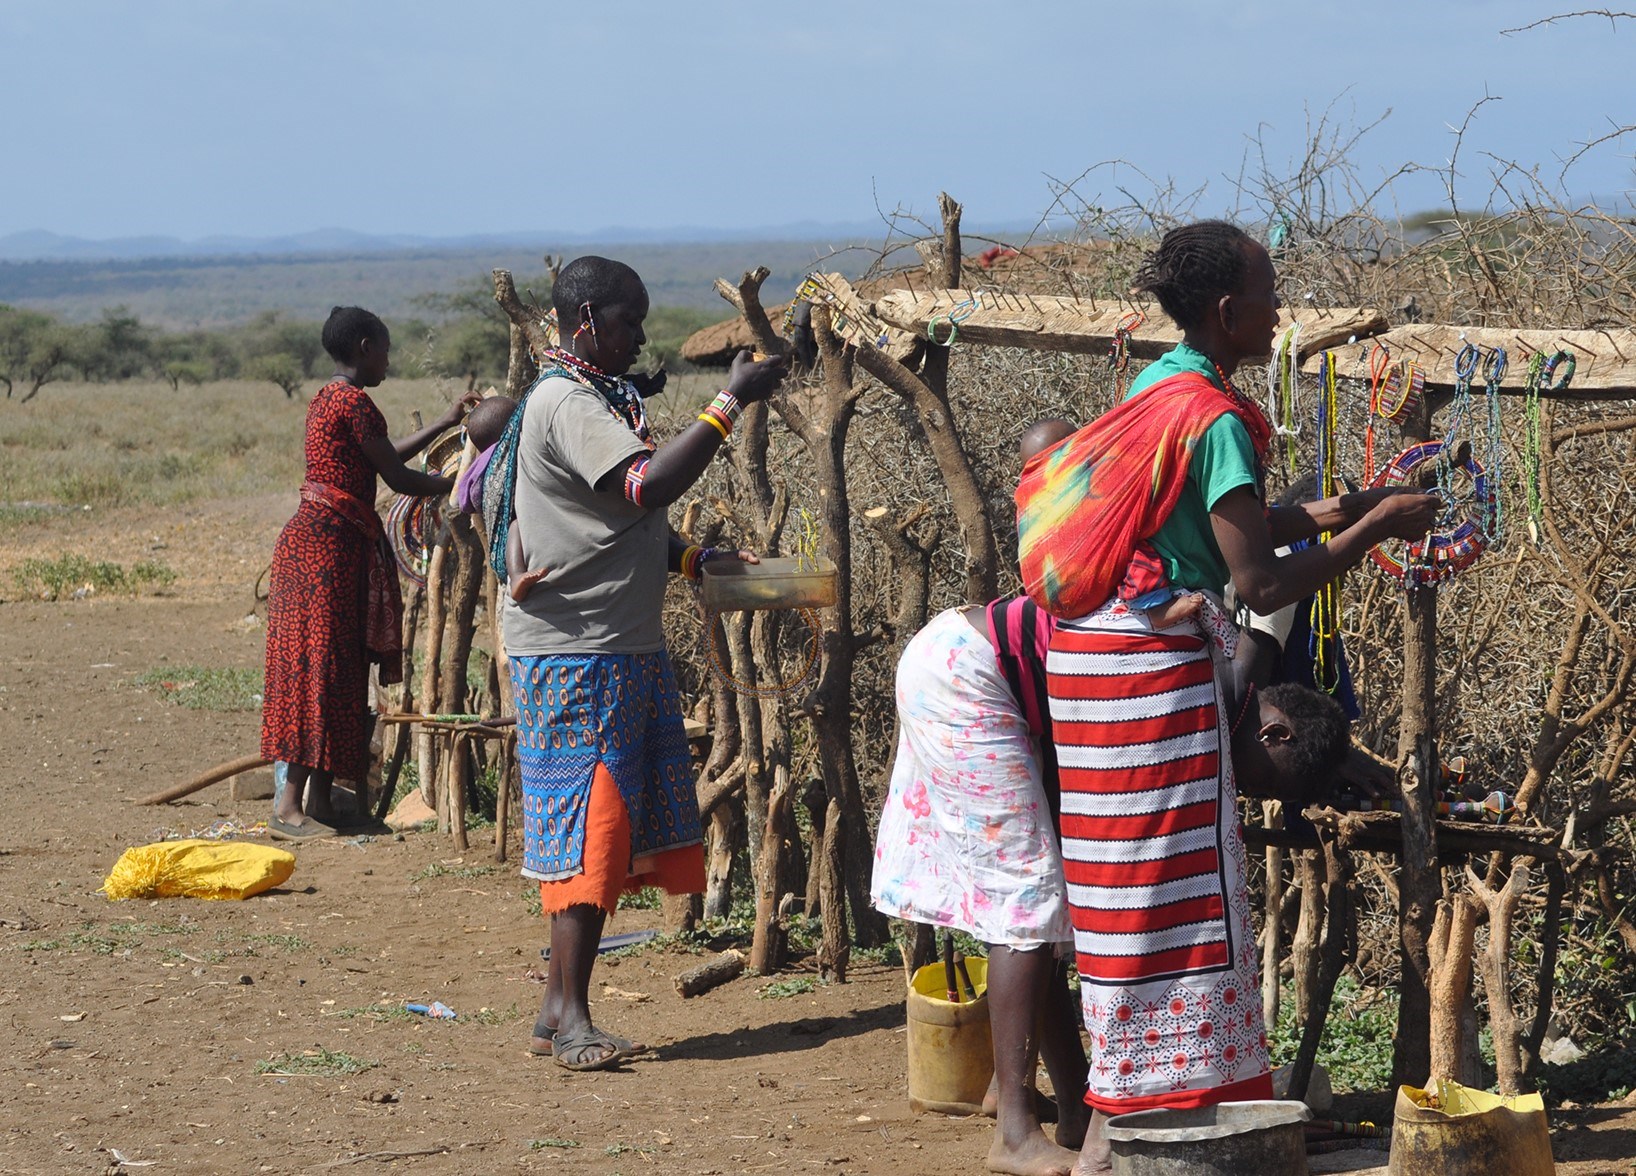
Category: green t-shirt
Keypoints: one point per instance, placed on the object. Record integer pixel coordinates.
(1223, 460)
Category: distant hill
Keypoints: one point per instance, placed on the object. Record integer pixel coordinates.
(42, 245)
(311, 273)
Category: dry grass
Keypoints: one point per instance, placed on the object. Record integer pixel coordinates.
(142, 444)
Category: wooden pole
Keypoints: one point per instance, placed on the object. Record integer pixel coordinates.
(426, 745)
(215, 775)
(1420, 882)
(1272, 929)
(1337, 886)
(1453, 935)
(459, 778)
(502, 795)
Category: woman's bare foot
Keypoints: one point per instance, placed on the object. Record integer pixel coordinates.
(1096, 1156)
(1033, 1155)
(522, 585)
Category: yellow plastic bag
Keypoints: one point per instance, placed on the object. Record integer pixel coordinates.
(1457, 1131)
(198, 869)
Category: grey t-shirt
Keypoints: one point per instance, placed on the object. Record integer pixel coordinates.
(607, 556)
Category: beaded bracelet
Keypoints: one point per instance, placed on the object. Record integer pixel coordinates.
(693, 559)
(635, 473)
(728, 405)
(716, 421)
(722, 413)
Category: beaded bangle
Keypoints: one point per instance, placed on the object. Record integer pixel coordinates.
(694, 557)
(717, 421)
(728, 405)
(634, 475)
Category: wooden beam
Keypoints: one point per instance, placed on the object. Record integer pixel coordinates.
(855, 320)
(1051, 322)
(1605, 360)
(1378, 832)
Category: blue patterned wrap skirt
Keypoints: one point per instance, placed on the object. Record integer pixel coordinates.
(623, 711)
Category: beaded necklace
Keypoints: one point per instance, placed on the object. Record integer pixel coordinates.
(1253, 412)
(1282, 384)
(620, 394)
(1326, 602)
(1380, 361)
(1119, 353)
(1531, 443)
(1494, 444)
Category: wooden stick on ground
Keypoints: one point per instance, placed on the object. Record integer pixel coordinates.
(729, 965)
(215, 775)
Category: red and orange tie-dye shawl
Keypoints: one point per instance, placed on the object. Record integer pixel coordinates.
(1085, 504)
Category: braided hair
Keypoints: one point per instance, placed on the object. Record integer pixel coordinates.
(349, 326)
(1320, 731)
(1193, 268)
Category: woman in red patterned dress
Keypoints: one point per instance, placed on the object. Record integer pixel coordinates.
(333, 606)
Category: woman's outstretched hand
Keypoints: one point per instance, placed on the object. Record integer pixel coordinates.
(458, 410)
(751, 379)
(1409, 515)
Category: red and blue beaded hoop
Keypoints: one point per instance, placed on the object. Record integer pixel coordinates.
(1461, 533)
(411, 526)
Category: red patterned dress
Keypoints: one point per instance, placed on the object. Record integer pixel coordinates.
(313, 707)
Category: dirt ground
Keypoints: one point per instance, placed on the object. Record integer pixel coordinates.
(139, 1027)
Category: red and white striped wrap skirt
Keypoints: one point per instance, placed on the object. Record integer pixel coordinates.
(1155, 866)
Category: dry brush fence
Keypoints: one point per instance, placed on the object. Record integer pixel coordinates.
(905, 459)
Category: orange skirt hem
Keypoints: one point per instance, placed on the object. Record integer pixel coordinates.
(608, 870)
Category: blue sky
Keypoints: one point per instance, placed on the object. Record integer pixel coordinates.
(260, 117)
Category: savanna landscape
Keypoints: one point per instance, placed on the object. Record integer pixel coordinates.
(150, 462)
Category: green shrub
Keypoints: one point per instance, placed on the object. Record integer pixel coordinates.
(1356, 1047)
(201, 688)
(74, 575)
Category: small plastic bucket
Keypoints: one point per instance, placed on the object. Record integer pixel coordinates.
(951, 1053)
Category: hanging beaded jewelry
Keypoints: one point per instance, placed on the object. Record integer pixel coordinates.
(962, 311)
(411, 526)
(1380, 361)
(1282, 383)
(1325, 615)
(720, 666)
(1494, 444)
(1119, 353)
(1531, 442)
(1456, 539)
(1541, 369)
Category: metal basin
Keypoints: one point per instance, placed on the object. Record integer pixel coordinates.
(1228, 1139)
